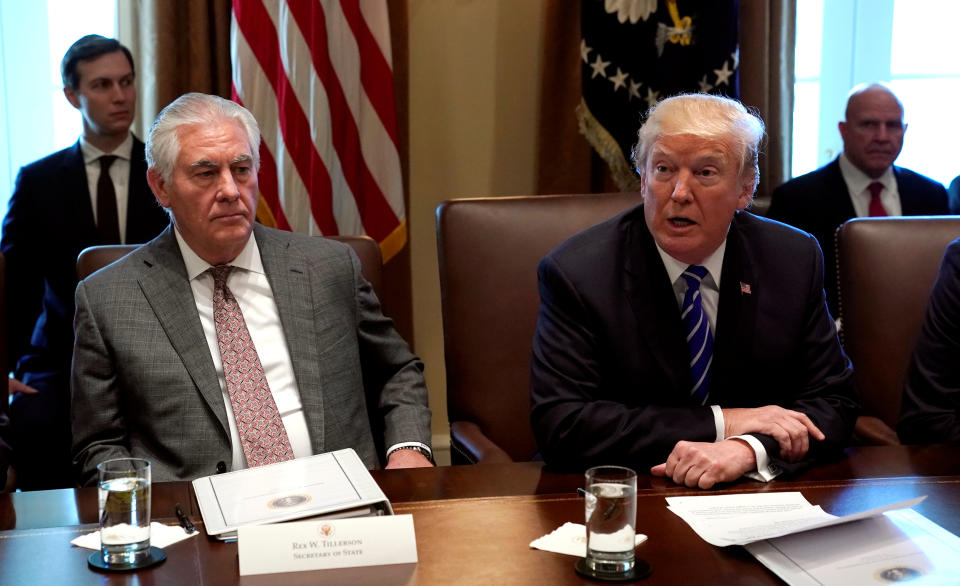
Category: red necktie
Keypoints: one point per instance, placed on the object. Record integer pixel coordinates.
(107, 224)
(876, 206)
(262, 434)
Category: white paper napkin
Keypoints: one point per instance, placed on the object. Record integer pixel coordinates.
(160, 536)
(569, 539)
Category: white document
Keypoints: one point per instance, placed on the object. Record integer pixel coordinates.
(332, 483)
(898, 546)
(321, 545)
(738, 519)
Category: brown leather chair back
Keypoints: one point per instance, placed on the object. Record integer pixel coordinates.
(371, 263)
(488, 254)
(886, 268)
(95, 258)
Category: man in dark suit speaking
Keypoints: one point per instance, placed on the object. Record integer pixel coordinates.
(94, 192)
(687, 334)
(862, 181)
(221, 345)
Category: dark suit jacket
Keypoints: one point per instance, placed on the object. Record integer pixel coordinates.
(930, 412)
(50, 220)
(819, 202)
(4, 449)
(610, 372)
(144, 383)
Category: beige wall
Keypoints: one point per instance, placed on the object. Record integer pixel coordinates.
(474, 89)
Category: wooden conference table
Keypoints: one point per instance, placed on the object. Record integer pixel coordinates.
(474, 525)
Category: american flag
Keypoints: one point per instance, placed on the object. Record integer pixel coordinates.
(317, 76)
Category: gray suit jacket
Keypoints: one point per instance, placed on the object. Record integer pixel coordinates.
(144, 383)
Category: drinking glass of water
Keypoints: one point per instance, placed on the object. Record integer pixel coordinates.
(611, 517)
(124, 511)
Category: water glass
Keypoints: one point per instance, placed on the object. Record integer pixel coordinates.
(611, 517)
(124, 511)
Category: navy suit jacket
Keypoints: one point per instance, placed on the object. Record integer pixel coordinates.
(930, 412)
(50, 220)
(610, 375)
(819, 202)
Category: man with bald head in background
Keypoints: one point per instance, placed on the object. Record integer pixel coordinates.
(861, 182)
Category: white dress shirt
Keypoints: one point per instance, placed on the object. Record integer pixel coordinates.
(710, 299)
(857, 183)
(249, 285)
(119, 173)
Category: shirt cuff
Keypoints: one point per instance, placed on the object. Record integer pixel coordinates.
(765, 471)
(718, 421)
(424, 447)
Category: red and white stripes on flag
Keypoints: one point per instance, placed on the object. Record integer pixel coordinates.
(317, 76)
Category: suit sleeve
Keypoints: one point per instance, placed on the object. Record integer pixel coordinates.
(578, 418)
(930, 412)
(24, 277)
(396, 393)
(99, 431)
(824, 386)
(5, 455)
(780, 206)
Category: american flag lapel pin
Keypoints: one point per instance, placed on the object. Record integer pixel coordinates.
(744, 288)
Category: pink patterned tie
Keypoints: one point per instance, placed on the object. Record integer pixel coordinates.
(262, 434)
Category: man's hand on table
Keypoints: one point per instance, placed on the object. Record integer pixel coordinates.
(791, 429)
(703, 464)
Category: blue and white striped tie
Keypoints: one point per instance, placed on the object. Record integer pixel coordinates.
(699, 337)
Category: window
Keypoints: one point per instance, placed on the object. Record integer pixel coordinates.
(35, 118)
(842, 43)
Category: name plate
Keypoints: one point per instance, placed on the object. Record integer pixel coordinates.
(327, 544)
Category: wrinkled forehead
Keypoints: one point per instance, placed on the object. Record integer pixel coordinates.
(875, 105)
(220, 139)
(689, 146)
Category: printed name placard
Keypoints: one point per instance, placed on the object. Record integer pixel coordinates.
(322, 545)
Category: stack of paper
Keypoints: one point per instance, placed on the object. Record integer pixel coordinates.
(804, 545)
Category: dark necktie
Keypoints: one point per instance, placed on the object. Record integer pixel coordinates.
(107, 224)
(876, 206)
(699, 337)
(262, 435)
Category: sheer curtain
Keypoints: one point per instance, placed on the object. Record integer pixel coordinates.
(767, 40)
(179, 46)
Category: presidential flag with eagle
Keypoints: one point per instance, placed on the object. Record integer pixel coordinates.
(634, 53)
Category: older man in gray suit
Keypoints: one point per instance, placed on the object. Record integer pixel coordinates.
(220, 344)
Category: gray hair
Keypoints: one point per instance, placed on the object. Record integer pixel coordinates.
(706, 116)
(163, 142)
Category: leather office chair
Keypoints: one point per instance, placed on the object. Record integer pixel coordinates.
(95, 258)
(488, 253)
(886, 268)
